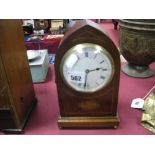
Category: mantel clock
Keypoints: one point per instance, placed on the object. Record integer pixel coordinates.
(87, 68)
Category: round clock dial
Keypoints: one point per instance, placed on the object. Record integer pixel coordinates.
(87, 67)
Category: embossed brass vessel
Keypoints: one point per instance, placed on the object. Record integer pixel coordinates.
(137, 45)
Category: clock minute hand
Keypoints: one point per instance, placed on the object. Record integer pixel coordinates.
(104, 69)
(96, 69)
(87, 71)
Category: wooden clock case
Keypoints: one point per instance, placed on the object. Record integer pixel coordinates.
(88, 110)
(17, 96)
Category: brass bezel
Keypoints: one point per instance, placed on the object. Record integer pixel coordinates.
(72, 50)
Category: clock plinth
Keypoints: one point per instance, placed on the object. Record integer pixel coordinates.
(89, 122)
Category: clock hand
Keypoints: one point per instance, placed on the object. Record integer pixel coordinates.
(87, 71)
(93, 70)
(104, 69)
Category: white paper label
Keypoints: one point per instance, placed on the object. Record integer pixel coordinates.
(137, 103)
(77, 77)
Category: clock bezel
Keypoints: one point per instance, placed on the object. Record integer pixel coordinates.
(71, 50)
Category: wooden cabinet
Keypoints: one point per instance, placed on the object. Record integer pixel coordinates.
(17, 97)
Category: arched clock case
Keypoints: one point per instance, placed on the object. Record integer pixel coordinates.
(87, 69)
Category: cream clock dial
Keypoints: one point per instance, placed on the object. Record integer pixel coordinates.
(87, 67)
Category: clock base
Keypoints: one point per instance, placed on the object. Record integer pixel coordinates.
(88, 122)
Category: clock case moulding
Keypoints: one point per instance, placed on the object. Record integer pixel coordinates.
(88, 110)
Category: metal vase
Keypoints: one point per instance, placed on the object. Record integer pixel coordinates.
(137, 45)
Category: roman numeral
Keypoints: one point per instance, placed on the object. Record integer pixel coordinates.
(95, 56)
(79, 84)
(104, 69)
(102, 61)
(97, 83)
(86, 54)
(102, 77)
(77, 57)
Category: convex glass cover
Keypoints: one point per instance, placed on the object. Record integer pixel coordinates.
(87, 67)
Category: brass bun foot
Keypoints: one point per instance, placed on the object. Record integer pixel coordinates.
(115, 127)
(138, 71)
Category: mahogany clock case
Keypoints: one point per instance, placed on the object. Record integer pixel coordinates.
(87, 110)
(17, 97)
